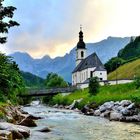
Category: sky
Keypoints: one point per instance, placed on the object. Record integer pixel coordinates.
(51, 27)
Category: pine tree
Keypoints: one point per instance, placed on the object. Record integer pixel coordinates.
(5, 25)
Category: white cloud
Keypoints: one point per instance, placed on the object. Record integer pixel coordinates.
(53, 27)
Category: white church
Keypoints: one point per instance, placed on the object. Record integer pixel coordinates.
(87, 67)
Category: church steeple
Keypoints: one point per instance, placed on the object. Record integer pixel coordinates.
(81, 34)
(81, 48)
(81, 43)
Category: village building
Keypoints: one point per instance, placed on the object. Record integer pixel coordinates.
(87, 67)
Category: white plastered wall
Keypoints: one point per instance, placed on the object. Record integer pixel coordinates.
(78, 55)
(100, 74)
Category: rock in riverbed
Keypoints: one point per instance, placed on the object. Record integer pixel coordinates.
(18, 132)
(27, 121)
(45, 129)
(118, 111)
(75, 103)
(5, 135)
(13, 126)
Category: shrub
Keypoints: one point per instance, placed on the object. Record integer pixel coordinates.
(53, 80)
(94, 85)
(137, 82)
(47, 99)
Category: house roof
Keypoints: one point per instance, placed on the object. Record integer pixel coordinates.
(90, 62)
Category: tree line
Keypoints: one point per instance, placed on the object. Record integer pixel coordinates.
(129, 53)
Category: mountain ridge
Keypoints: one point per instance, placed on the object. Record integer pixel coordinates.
(63, 66)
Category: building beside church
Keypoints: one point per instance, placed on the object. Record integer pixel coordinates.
(86, 67)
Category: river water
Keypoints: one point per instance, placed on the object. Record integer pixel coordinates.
(70, 125)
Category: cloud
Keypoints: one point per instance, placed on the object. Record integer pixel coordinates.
(52, 26)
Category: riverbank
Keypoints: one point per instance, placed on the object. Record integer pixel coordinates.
(106, 94)
(14, 122)
(114, 100)
(124, 111)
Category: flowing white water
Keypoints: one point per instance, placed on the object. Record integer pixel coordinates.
(69, 125)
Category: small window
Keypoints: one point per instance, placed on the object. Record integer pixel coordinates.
(91, 74)
(101, 79)
(82, 54)
(100, 73)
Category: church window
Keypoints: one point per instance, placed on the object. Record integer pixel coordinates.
(101, 79)
(82, 54)
(100, 73)
(91, 74)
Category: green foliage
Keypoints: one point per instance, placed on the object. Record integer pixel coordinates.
(2, 115)
(113, 64)
(131, 50)
(94, 85)
(53, 80)
(32, 80)
(106, 93)
(137, 82)
(11, 82)
(128, 54)
(47, 99)
(6, 12)
(136, 99)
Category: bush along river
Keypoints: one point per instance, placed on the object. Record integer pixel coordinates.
(62, 124)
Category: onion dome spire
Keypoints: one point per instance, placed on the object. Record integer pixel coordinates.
(81, 44)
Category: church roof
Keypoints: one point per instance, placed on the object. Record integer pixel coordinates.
(90, 62)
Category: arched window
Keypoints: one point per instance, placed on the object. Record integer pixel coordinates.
(82, 54)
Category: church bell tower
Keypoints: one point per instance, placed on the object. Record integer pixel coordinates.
(81, 48)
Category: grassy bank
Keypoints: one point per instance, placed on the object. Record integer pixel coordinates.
(106, 93)
(126, 71)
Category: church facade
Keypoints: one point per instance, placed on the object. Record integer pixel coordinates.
(86, 67)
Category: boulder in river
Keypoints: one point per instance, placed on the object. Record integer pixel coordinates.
(27, 121)
(124, 110)
(97, 112)
(115, 116)
(105, 114)
(45, 129)
(131, 106)
(134, 118)
(85, 109)
(33, 117)
(75, 103)
(125, 103)
(18, 132)
(7, 135)
(56, 106)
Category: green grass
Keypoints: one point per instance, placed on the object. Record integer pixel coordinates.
(126, 71)
(106, 93)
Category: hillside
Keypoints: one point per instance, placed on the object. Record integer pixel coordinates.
(131, 50)
(63, 66)
(126, 71)
(32, 80)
